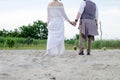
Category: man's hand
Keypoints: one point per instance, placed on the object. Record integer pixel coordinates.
(73, 23)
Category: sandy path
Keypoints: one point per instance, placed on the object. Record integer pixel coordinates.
(30, 65)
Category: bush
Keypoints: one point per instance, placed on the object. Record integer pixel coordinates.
(28, 41)
(2, 40)
(10, 42)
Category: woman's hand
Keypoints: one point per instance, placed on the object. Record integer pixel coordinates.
(73, 23)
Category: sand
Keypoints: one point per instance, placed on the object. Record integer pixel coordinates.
(32, 65)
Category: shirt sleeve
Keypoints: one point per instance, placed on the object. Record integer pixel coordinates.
(82, 6)
(64, 14)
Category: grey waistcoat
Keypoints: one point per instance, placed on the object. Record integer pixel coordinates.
(89, 10)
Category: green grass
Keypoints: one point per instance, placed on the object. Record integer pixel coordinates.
(20, 43)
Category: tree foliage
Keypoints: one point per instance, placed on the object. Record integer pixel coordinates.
(37, 30)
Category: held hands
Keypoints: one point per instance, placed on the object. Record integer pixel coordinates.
(73, 23)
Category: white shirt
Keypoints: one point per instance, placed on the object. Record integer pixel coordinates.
(82, 6)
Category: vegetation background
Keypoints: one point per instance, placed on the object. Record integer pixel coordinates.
(34, 36)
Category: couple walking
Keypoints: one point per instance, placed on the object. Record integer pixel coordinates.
(88, 15)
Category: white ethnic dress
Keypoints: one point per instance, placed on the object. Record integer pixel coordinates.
(55, 42)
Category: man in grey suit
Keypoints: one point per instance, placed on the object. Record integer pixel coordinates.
(88, 15)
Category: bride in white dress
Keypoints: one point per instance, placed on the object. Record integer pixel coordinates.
(56, 17)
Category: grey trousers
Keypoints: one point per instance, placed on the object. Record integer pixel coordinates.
(82, 40)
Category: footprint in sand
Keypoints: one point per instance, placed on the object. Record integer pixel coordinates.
(4, 75)
(100, 66)
(53, 78)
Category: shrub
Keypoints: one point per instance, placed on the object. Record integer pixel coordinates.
(10, 42)
(28, 41)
